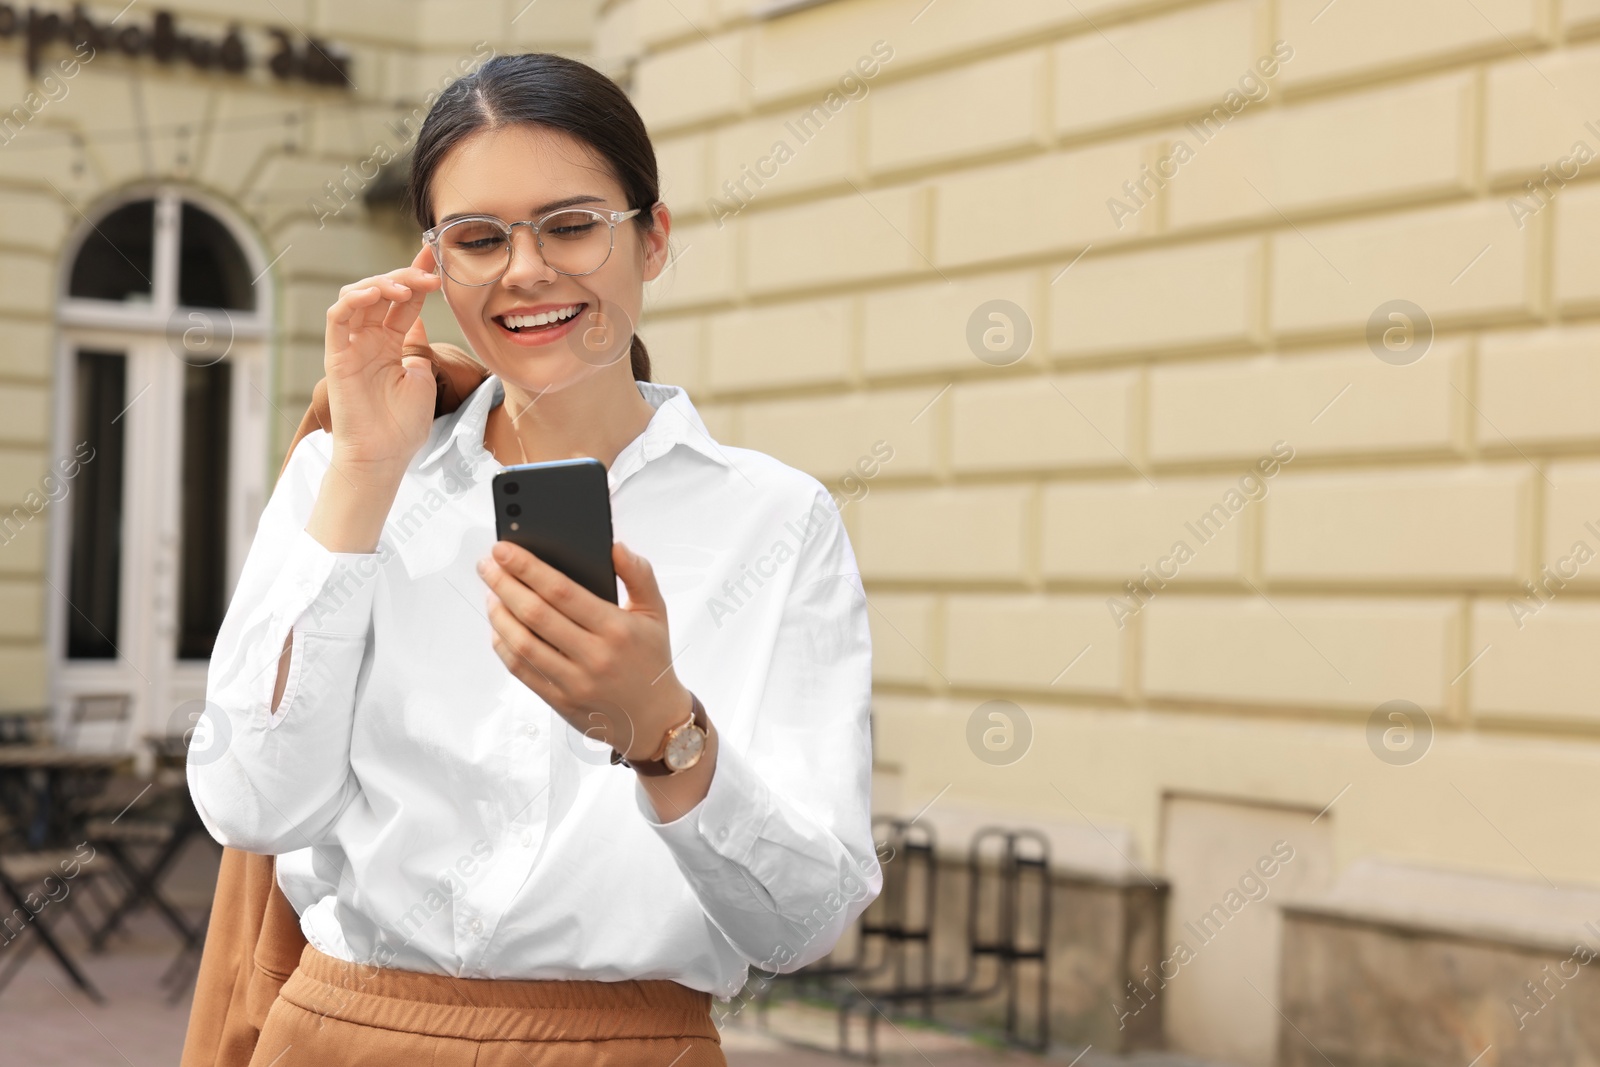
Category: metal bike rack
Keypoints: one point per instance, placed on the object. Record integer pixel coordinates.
(887, 925)
(1007, 947)
(898, 930)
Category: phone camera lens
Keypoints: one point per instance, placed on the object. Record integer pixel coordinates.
(511, 487)
(513, 510)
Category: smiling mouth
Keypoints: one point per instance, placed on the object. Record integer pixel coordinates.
(548, 320)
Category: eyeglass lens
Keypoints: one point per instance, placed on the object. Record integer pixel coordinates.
(478, 251)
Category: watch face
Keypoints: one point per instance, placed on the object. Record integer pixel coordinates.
(683, 751)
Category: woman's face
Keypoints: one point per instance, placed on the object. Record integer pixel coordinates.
(522, 172)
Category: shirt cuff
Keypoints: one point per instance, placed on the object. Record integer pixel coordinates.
(336, 588)
(727, 820)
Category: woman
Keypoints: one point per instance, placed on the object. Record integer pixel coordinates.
(425, 725)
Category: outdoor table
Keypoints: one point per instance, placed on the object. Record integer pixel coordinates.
(39, 782)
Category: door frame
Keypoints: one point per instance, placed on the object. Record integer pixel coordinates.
(146, 666)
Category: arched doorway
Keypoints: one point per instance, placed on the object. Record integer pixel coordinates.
(160, 446)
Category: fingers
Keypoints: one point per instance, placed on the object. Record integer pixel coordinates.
(534, 612)
(639, 578)
(521, 652)
(351, 311)
(368, 302)
(342, 312)
(390, 292)
(404, 314)
(413, 276)
(416, 340)
(562, 593)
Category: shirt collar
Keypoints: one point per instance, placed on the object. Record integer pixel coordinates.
(676, 422)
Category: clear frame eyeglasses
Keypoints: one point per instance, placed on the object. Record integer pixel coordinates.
(477, 249)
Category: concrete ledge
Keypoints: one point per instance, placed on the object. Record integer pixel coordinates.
(1515, 912)
(1398, 964)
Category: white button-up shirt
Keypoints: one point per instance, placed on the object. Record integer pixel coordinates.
(431, 813)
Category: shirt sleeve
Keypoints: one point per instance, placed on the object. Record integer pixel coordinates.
(779, 851)
(273, 781)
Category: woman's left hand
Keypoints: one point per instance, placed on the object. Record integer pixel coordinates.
(606, 669)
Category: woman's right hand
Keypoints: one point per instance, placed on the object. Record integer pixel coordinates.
(382, 401)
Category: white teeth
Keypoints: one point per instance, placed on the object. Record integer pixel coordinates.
(542, 319)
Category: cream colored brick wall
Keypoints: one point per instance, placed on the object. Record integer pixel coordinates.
(1225, 310)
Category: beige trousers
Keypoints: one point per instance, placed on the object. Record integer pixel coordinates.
(333, 1012)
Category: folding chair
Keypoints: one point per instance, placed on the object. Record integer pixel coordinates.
(26, 879)
(96, 710)
(168, 837)
(161, 817)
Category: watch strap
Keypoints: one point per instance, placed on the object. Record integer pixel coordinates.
(657, 765)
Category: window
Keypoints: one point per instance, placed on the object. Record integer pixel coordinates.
(117, 260)
(212, 270)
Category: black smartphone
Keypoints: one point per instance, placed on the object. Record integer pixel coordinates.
(561, 512)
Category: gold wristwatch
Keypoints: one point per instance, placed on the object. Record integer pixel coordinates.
(681, 749)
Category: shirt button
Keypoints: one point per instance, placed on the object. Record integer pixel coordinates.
(533, 731)
(722, 834)
(477, 926)
(527, 840)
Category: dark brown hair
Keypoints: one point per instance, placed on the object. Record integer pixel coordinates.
(542, 89)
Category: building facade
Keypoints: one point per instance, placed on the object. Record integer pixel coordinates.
(1210, 389)
(185, 189)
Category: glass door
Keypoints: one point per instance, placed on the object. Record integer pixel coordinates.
(203, 488)
(159, 506)
(94, 473)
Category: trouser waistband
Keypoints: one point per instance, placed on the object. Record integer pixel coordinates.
(479, 1009)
